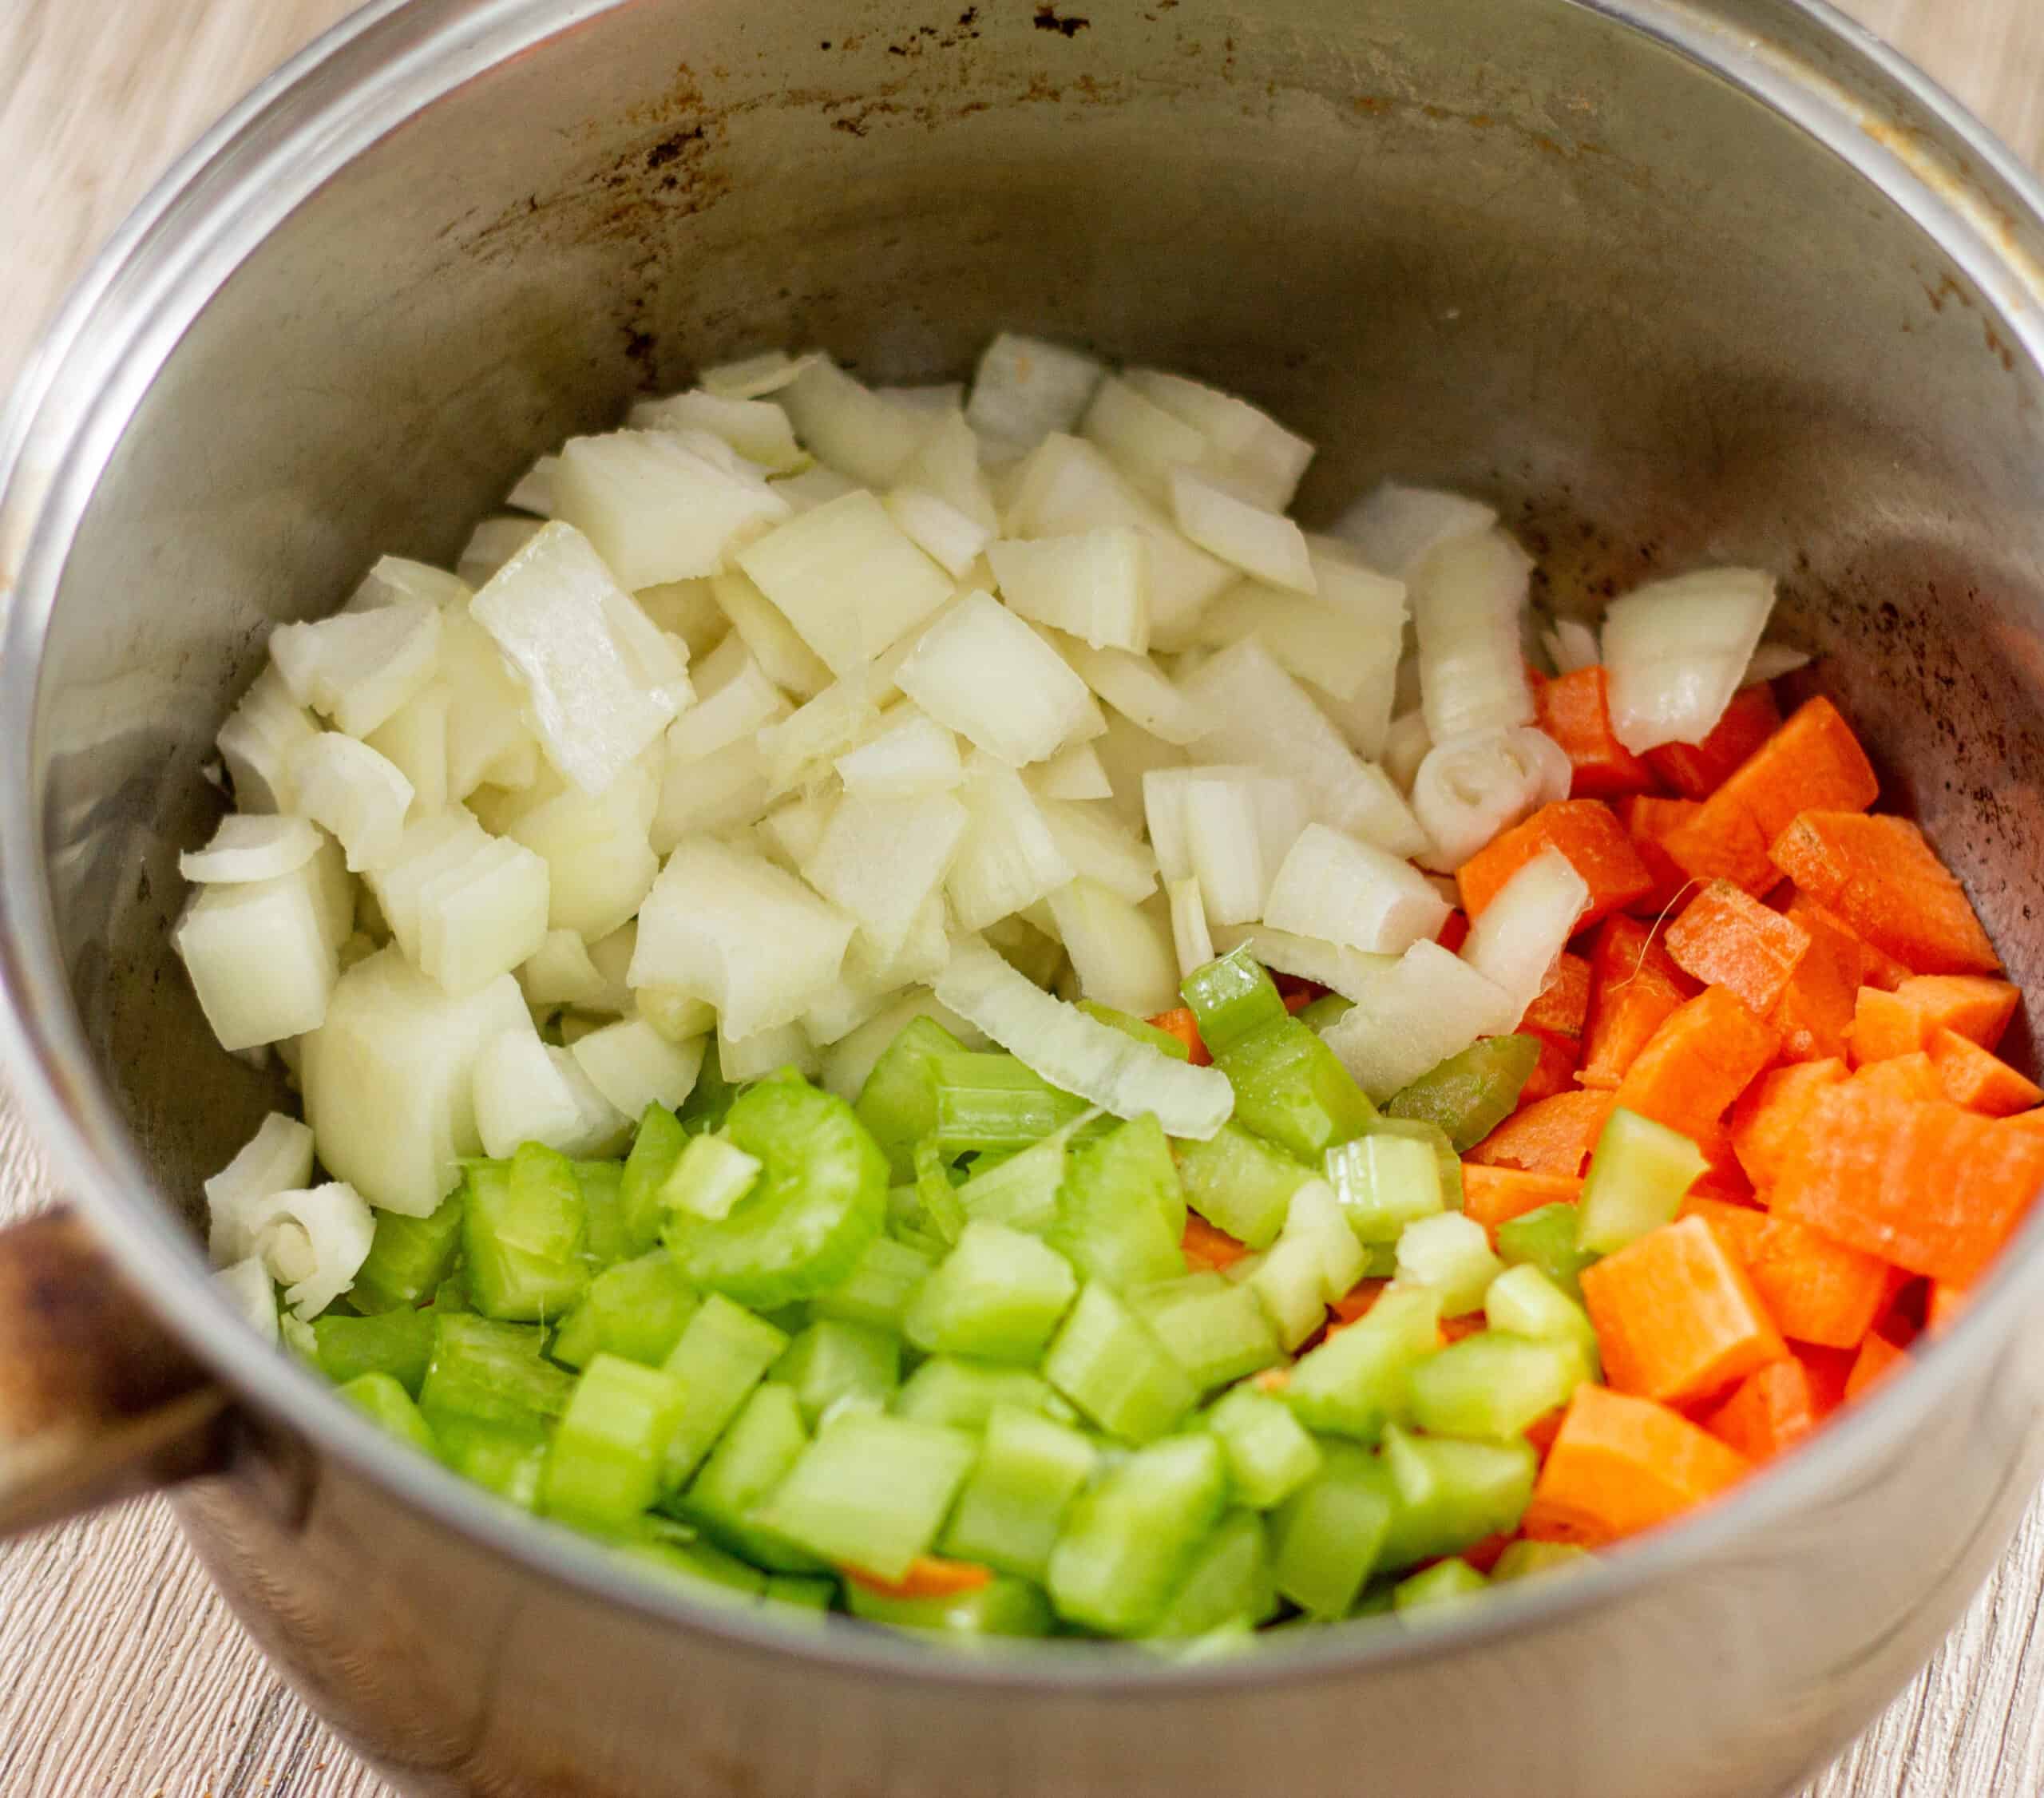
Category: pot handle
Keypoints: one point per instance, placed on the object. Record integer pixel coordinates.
(97, 1401)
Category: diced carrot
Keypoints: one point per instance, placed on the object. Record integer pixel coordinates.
(1355, 1302)
(1895, 1023)
(1726, 846)
(928, 1577)
(1209, 1247)
(1883, 1025)
(1722, 1176)
(1769, 1113)
(1542, 1431)
(1812, 763)
(1554, 1136)
(1927, 1186)
(1454, 1329)
(1555, 1070)
(1272, 1379)
(1948, 1300)
(1814, 1013)
(1620, 1465)
(1587, 833)
(1777, 1406)
(1701, 1059)
(1455, 933)
(1648, 819)
(1980, 1081)
(1911, 1078)
(2026, 1124)
(1564, 1001)
(1677, 1316)
(1179, 1022)
(1877, 1358)
(1496, 1195)
(1697, 771)
(1485, 1555)
(1575, 711)
(1818, 1291)
(1623, 945)
(1725, 937)
(1634, 988)
(1880, 876)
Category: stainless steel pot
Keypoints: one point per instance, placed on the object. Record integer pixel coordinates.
(1669, 281)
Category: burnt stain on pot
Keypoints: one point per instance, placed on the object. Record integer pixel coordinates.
(1049, 18)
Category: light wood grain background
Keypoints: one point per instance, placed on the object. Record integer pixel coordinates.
(120, 1674)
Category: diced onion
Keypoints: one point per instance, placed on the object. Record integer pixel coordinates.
(1353, 893)
(360, 796)
(741, 707)
(1396, 527)
(950, 537)
(633, 1066)
(358, 667)
(1141, 438)
(261, 956)
(312, 1242)
(1522, 931)
(1136, 686)
(1471, 787)
(1573, 646)
(1122, 956)
(257, 741)
(1076, 772)
(912, 754)
(1224, 846)
(983, 672)
(1094, 586)
(1346, 971)
(765, 1052)
(856, 431)
(757, 428)
(1093, 840)
(753, 377)
(1025, 388)
(1406, 746)
(277, 1158)
(598, 852)
(783, 657)
(1678, 650)
(534, 490)
(1251, 448)
(1008, 859)
(880, 858)
(1190, 936)
(848, 1061)
(1772, 660)
(528, 1092)
(250, 846)
(946, 464)
(1414, 1014)
(248, 1289)
(559, 972)
(1265, 545)
(1467, 595)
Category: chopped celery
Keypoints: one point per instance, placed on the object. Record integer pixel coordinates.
(1358, 1380)
(603, 1465)
(491, 1372)
(724, 1351)
(1325, 1539)
(820, 1198)
(1240, 1183)
(1445, 1583)
(1315, 1261)
(939, 1209)
(1450, 1254)
(989, 1100)
(947, 1390)
(1384, 1182)
(1470, 1094)
(1291, 1088)
(1140, 1028)
(637, 1308)
(1328, 1010)
(1451, 1494)
(1020, 1191)
(1229, 1581)
(1525, 1301)
(1638, 1173)
(751, 1458)
(997, 1296)
(706, 1572)
(879, 1287)
(1491, 1384)
(1546, 1239)
(1528, 1560)
(1108, 1364)
(1231, 996)
(408, 1257)
(523, 1229)
(709, 1100)
(1030, 1469)
(870, 1491)
(506, 1459)
(606, 1231)
(834, 1365)
(1418, 1129)
(382, 1399)
(1120, 1214)
(1270, 1455)
(711, 1176)
(898, 1101)
(655, 1151)
(1004, 1606)
(1216, 1332)
(803, 1592)
(1131, 1539)
(398, 1343)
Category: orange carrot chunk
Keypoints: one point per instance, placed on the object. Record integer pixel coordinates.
(1575, 711)
(1496, 1195)
(1725, 937)
(1877, 1358)
(1877, 967)
(1980, 1081)
(1209, 1247)
(1697, 771)
(1553, 1136)
(1725, 844)
(1910, 1077)
(1678, 1317)
(1947, 1299)
(1648, 819)
(928, 1577)
(1814, 1013)
(1634, 988)
(1701, 1059)
(1587, 833)
(1896, 1023)
(1880, 876)
(1179, 1022)
(1619, 1465)
(1817, 1291)
(1812, 763)
(2026, 1124)
(1777, 1406)
(1564, 1001)
(1767, 1119)
(1555, 1070)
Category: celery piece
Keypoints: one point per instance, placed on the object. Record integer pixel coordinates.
(1229, 1581)
(1240, 1183)
(1325, 1539)
(1524, 1301)
(655, 1151)
(1418, 1129)
(1470, 1094)
(452, 1294)
(1638, 1175)
(1376, 1600)
(938, 1207)
(751, 1458)
(1270, 1455)
(1315, 1261)
(709, 1100)
(879, 1287)
(802, 1592)
(711, 1176)
(997, 1296)
(1130, 1540)
(870, 1491)
(408, 1257)
(606, 1231)
(1231, 996)
(506, 1459)
(637, 1308)
(724, 1351)
(1451, 1493)
(398, 1343)
(1528, 1560)
(1546, 1239)
(1029, 1470)
(1134, 1157)
(380, 1398)
(1325, 1012)
(1359, 1379)
(1218, 1333)
(963, 1394)
(820, 1198)
(1491, 1385)
(1004, 1606)
(491, 1371)
(1107, 1363)
(1384, 1182)
(1451, 1256)
(1290, 1089)
(522, 1234)
(603, 1465)
(989, 1100)
(898, 1101)
(1446, 1583)
(833, 1364)
(1140, 1028)
(1020, 1191)
(703, 1572)
(1120, 1215)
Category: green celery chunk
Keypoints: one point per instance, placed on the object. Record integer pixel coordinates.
(1020, 1191)
(1130, 1539)
(1218, 1333)
(1314, 1261)
(637, 1308)
(898, 1101)
(492, 1372)
(939, 1209)
(604, 1466)
(1384, 1182)
(1325, 1012)
(1451, 1256)
(1359, 1379)
(1638, 1174)
(1528, 1560)
(655, 1151)
(1452, 1493)
(1241, 1184)
(1140, 1028)
(408, 1257)
(989, 1100)
(822, 1197)
(1325, 1539)
(870, 1491)
(724, 1351)
(1228, 1581)
(1445, 1584)
(1107, 1363)
(1546, 1239)
(1417, 1130)
(398, 1343)
(709, 1100)
(1004, 1606)
(506, 1459)
(803, 1592)
(997, 1297)
(1269, 1454)
(834, 1364)
(1524, 1301)
(1231, 996)
(879, 1287)
(1376, 1600)
(703, 1571)
(751, 1458)
(606, 1231)
(963, 1394)
(1470, 1094)
(1491, 1385)
(1120, 1213)
(523, 1233)
(1290, 1089)
(382, 1399)
(1030, 1469)
(711, 1177)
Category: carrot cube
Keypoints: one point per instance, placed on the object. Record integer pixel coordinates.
(1812, 763)
(1634, 989)
(1770, 1115)
(1564, 1001)
(1881, 877)
(1725, 937)
(1587, 833)
(1777, 1406)
(1877, 1358)
(1697, 771)
(1496, 1195)
(1555, 1070)
(1814, 1013)
(1206, 1246)
(1911, 1077)
(1619, 1465)
(1895, 1023)
(1977, 1079)
(1701, 1059)
(1575, 711)
(1553, 1136)
(1648, 819)
(1725, 844)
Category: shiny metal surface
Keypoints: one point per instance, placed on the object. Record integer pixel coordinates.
(1669, 282)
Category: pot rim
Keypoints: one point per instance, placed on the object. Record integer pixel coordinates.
(363, 78)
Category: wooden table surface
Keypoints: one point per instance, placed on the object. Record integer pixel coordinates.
(124, 1675)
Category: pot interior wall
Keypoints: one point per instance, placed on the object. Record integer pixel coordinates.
(1517, 248)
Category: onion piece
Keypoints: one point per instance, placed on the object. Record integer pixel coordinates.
(1346, 971)
(655, 509)
(1352, 893)
(528, 1092)
(1025, 388)
(1406, 747)
(1093, 840)
(1141, 439)
(358, 795)
(1224, 846)
(847, 1062)
(1522, 931)
(757, 428)
(312, 1242)
(1266, 545)
(859, 432)
(879, 859)
(783, 657)
(414, 740)
(534, 491)
(277, 1158)
(358, 667)
(1412, 1015)
(1079, 1054)
(1572, 646)
(1190, 935)
(983, 672)
(765, 1052)
(257, 741)
(912, 754)
(1094, 586)
(394, 580)
(260, 956)
(1467, 596)
(250, 1292)
(488, 737)
(1122, 956)
(1678, 650)
(1469, 788)
(753, 377)
(1772, 660)
(1136, 686)
(633, 1066)
(724, 791)
(741, 705)
(598, 852)
(946, 464)
(1256, 452)
(1008, 858)
(250, 846)
(479, 919)
(1395, 526)
(952, 538)
(559, 972)
(1076, 772)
